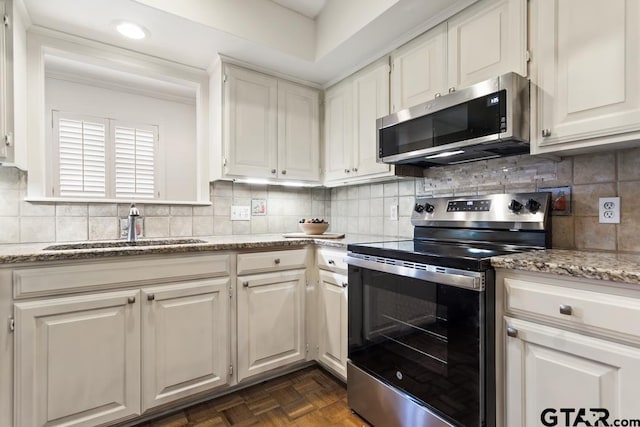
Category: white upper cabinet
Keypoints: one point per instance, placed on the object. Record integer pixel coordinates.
(270, 127)
(486, 40)
(298, 132)
(250, 130)
(351, 110)
(481, 42)
(419, 69)
(586, 73)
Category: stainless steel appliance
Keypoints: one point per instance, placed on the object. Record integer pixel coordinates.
(489, 119)
(421, 311)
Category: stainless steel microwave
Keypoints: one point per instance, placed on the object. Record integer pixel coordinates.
(487, 120)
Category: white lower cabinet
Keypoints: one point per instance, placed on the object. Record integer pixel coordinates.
(77, 359)
(185, 339)
(271, 327)
(549, 368)
(333, 331)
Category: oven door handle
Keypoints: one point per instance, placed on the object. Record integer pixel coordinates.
(469, 280)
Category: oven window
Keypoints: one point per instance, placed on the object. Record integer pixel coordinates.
(419, 336)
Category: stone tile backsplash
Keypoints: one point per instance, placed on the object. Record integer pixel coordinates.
(361, 209)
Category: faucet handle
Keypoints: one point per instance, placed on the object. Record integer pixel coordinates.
(133, 211)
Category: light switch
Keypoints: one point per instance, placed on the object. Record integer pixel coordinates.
(240, 213)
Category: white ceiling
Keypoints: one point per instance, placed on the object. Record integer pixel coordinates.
(317, 41)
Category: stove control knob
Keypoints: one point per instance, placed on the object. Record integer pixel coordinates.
(418, 208)
(532, 205)
(429, 208)
(515, 206)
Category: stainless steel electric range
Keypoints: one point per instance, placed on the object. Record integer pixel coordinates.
(421, 311)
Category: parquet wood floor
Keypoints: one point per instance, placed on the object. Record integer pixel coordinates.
(310, 397)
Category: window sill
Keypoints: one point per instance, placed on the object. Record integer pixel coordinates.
(119, 201)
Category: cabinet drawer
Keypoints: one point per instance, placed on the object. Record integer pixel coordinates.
(271, 261)
(331, 259)
(67, 278)
(578, 308)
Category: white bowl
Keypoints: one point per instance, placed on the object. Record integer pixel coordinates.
(314, 228)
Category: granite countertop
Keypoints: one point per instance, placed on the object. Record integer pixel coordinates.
(36, 252)
(615, 267)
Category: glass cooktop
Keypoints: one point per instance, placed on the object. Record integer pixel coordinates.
(472, 256)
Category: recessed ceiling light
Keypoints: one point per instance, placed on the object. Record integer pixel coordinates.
(131, 30)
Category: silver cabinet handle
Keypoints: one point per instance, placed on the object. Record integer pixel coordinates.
(345, 284)
(245, 284)
(566, 309)
(512, 332)
(277, 260)
(284, 172)
(546, 133)
(273, 171)
(331, 262)
(452, 89)
(131, 300)
(151, 297)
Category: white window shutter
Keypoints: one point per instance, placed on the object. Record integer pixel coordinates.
(134, 162)
(82, 162)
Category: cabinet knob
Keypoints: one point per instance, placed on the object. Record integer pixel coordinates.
(566, 309)
(452, 89)
(355, 169)
(131, 300)
(151, 297)
(437, 95)
(245, 284)
(284, 172)
(273, 171)
(277, 260)
(345, 284)
(546, 133)
(332, 262)
(512, 332)
(347, 171)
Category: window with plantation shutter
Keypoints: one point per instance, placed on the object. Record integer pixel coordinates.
(81, 157)
(104, 158)
(134, 162)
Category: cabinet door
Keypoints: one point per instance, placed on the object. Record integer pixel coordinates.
(5, 81)
(333, 322)
(370, 101)
(77, 360)
(298, 132)
(587, 85)
(338, 132)
(185, 339)
(270, 321)
(250, 123)
(418, 70)
(486, 40)
(550, 368)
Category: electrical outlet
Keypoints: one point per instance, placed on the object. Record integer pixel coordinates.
(393, 212)
(240, 213)
(609, 210)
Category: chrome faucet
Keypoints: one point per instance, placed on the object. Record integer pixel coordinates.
(132, 236)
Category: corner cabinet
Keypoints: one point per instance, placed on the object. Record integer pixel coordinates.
(585, 70)
(269, 127)
(351, 109)
(566, 343)
(483, 41)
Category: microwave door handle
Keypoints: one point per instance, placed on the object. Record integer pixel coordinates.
(471, 280)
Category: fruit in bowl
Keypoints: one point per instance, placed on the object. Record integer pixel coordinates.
(313, 225)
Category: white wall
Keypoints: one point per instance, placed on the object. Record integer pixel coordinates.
(176, 121)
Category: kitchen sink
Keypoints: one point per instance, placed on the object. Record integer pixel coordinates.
(121, 244)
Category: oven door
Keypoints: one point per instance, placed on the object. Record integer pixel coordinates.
(414, 332)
